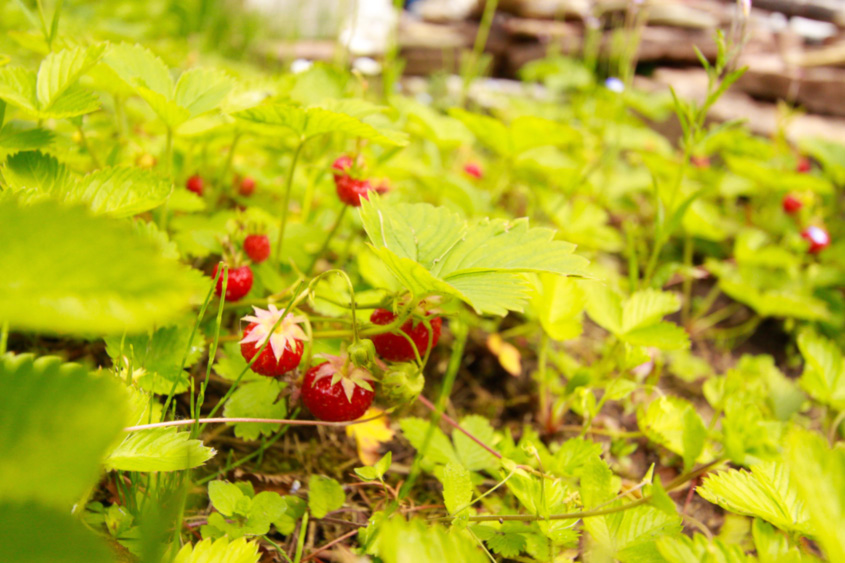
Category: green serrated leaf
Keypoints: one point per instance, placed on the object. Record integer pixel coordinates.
(60, 70)
(221, 550)
(36, 171)
(324, 495)
(767, 492)
(473, 456)
(18, 87)
(401, 541)
(57, 422)
(673, 423)
(824, 372)
(158, 449)
(457, 488)
(226, 497)
(71, 273)
(256, 399)
(439, 449)
(683, 549)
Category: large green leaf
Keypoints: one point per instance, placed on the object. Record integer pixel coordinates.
(60, 70)
(56, 423)
(767, 492)
(432, 250)
(158, 449)
(67, 272)
(818, 474)
(399, 541)
(138, 66)
(121, 191)
(673, 423)
(256, 399)
(32, 533)
(314, 121)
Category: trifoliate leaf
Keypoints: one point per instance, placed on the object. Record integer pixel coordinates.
(767, 492)
(219, 551)
(256, 399)
(158, 449)
(473, 456)
(57, 422)
(432, 250)
(68, 272)
(324, 495)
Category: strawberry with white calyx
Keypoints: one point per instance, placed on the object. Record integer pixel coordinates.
(284, 351)
(337, 390)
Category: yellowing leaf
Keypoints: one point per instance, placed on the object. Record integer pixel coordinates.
(509, 357)
(370, 435)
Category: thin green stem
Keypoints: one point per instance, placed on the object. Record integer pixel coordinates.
(300, 544)
(87, 146)
(471, 70)
(283, 221)
(4, 337)
(227, 167)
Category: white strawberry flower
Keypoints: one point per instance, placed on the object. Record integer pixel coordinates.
(340, 369)
(281, 339)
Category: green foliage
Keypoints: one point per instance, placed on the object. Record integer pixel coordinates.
(376, 471)
(457, 488)
(158, 449)
(53, 92)
(683, 549)
(767, 492)
(46, 407)
(399, 541)
(432, 251)
(637, 320)
(241, 512)
(824, 373)
(256, 399)
(115, 282)
(38, 534)
(324, 495)
(464, 452)
(219, 551)
(673, 423)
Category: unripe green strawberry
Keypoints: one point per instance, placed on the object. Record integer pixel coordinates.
(401, 384)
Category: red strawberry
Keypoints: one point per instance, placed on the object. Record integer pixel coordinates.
(818, 238)
(700, 161)
(395, 347)
(257, 247)
(474, 170)
(348, 398)
(240, 282)
(342, 164)
(195, 184)
(284, 352)
(803, 165)
(246, 187)
(791, 204)
(350, 191)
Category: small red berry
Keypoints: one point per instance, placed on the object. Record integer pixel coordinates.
(473, 170)
(803, 165)
(246, 187)
(394, 347)
(350, 191)
(700, 161)
(195, 184)
(791, 204)
(284, 352)
(818, 238)
(240, 282)
(347, 399)
(383, 187)
(342, 164)
(257, 247)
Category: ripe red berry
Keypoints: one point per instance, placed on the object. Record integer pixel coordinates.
(342, 164)
(818, 238)
(473, 170)
(348, 399)
(257, 247)
(246, 187)
(350, 190)
(284, 351)
(195, 184)
(700, 161)
(791, 204)
(240, 282)
(394, 347)
(803, 165)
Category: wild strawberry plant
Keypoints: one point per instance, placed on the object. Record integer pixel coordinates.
(257, 315)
